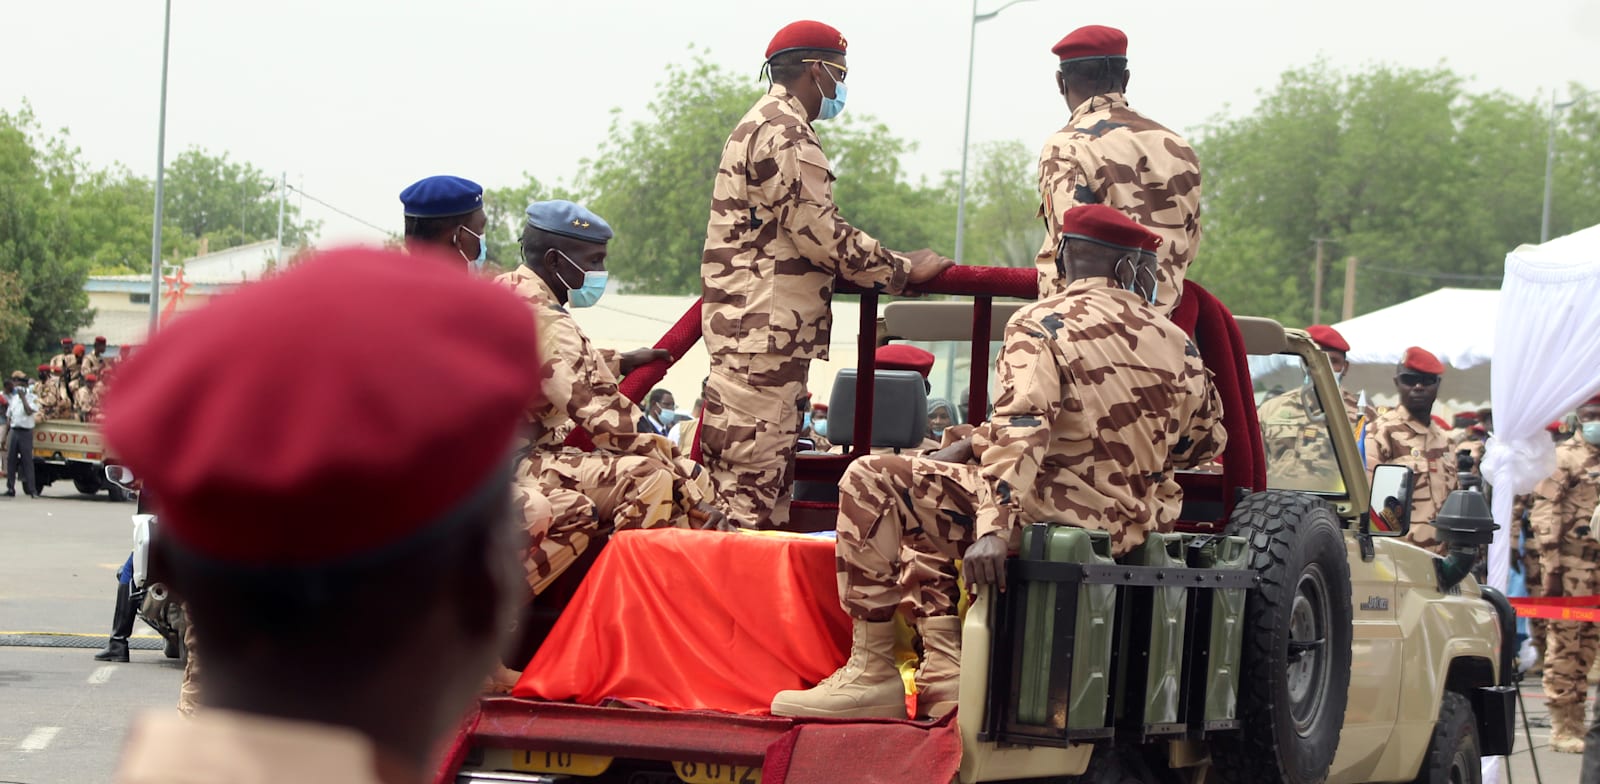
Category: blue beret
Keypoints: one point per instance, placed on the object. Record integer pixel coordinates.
(441, 196)
(568, 220)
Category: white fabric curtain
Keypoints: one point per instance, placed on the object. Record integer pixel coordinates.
(1546, 362)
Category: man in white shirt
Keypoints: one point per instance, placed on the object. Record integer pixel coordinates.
(20, 415)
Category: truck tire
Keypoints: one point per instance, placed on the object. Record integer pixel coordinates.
(1453, 751)
(117, 493)
(86, 485)
(1295, 664)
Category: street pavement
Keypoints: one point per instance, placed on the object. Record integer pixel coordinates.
(63, 716)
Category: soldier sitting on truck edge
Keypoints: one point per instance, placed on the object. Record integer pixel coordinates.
(1086, 431)
(635, 479)
(344, 523)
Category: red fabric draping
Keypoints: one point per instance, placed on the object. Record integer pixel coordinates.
(689, 619)
(878, 752)
(1221, 345)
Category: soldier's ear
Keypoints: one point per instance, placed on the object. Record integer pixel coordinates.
(1126, 77)
(1061, 83)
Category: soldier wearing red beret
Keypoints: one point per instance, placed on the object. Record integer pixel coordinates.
(95, 360)
(1337, 350)
(315, 561)
(775, 243)
(1408, 436)
(1110, 154)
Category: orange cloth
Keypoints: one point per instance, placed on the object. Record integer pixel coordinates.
(689, 619)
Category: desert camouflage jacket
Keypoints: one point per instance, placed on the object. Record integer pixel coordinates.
(579, 388)
(1101, 397)
(776, 240)
(1110, 154)
(1564, 502)
(1395, 437)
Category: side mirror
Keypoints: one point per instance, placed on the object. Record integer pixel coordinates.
(1389, 510)
(122, 476)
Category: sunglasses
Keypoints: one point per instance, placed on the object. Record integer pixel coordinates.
(843, 71)
(1418, 379)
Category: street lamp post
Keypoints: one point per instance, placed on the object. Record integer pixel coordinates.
(966, 127)
(161, 165)
(1549, 168)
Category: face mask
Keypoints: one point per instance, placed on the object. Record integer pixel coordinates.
(820, 427)
(666, 416)
(938, 432)
(483, 251)
(805, 422)
(1591, 432)
(594, 285)
(832, 107)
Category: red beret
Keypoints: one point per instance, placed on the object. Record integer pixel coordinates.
(1092, 41)
(1328, 338)
(100, 341)
(78, 349)
(899, 356)
(253, 471)
(66, 341)
(1422, 361)
(1108, 226)
(1593, 401)
(1554, 427)
(806, 34)
(1466, 416)
(44, 367)
(1443, 425)
(90, 377)
(822, 407)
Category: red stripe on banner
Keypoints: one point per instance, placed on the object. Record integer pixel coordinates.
(1583, 609)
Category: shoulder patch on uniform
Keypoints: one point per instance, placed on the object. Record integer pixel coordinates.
(1085, 195)
(1190, 350)
(1054, 323)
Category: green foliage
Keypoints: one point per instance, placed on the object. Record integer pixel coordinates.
(506, 210)
(1427, 184)
(873, 193)
(1003, 225)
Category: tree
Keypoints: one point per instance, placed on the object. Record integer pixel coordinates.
(1003, 226)
(227, 203)
(1427, 184)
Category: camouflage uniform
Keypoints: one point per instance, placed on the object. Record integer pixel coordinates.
(1562, 506)
(1298, 446)
(189, 689)
(1425, 449)
(54, 401)
(635, 480)
(93, 363)
(87, 403)
(1110, 154)
(1086, 431)
(774, 243)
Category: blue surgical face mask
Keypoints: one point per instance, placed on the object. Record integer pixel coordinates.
(832, 107)
(820, 427)
(483, 251)
(1591, 432)
(805, 422)
(594, 285)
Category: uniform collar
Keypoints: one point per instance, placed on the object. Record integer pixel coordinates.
(789, 101)
(526, 279)
(1083, 285)
(1098, 103)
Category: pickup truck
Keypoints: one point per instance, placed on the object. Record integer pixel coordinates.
(69, 450)
(1285, 632)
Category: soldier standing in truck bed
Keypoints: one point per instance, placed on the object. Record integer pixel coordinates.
(1110, 154)
(1086, 429)
(774, 243)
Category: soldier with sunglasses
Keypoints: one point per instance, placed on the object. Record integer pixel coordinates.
(1408, 436)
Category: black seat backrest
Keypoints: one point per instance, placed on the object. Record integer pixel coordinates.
(899, 409)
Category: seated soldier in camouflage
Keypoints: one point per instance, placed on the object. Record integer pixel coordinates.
(1101, 398)
(635, 479)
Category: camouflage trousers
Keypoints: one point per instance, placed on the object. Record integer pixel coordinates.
(189, 691)
(903, 522)
(1570, 647)
(1533, 575)
(748, 432)
(590, 495)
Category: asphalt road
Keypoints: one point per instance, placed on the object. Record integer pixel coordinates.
(63, 715)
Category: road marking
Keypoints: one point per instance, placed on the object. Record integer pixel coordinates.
(38, 739)
(101, 674)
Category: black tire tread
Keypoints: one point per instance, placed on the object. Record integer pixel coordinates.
(1270, 520)
(1455, 710)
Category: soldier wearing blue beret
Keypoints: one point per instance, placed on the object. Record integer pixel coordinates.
(446, 213)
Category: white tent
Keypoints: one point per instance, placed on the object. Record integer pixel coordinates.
(1457, 325)
(1549, 363)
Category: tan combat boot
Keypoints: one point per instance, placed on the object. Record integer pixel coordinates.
(867, 687)
(1566, 728)
(939, 677)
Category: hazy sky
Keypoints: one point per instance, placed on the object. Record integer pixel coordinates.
(357, 98)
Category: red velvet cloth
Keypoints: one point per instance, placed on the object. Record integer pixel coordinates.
(877, 752)
(689, 619)
(1216, 334)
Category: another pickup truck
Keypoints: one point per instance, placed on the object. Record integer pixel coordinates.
(66, 449)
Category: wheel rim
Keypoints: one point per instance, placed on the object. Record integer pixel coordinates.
(1308, 677)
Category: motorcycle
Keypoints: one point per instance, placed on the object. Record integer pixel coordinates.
(153, 602)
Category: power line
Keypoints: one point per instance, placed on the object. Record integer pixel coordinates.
(368, 224)
(1366, 266)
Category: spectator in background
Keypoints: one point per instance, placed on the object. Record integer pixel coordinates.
(5, 424)
(682, 434)
(22, 413)
(660, 412)
(941, 414)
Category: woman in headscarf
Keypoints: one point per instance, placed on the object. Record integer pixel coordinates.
(941, 414)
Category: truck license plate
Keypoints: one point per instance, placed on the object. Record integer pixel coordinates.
(715, 773)
(559, 762)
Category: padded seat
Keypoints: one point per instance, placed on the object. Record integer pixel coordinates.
(899, 421)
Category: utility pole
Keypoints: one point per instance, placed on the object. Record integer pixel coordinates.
(1549, 168)
(1349, 288)
(1316, 285)
(283, 193)
(966, 126)
(161, 167)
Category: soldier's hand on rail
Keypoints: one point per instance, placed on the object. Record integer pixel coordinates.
(925, 266)
(958, 452)
(709, 519)
(985, 562)
(628, 360)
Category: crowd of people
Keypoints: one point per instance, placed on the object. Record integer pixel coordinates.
(69, 386)
(303, 548)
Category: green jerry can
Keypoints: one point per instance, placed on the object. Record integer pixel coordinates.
(1152, 644)
(1091, 640)
(1220, 668)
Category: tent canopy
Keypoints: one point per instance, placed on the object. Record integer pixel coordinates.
(1457, 325)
